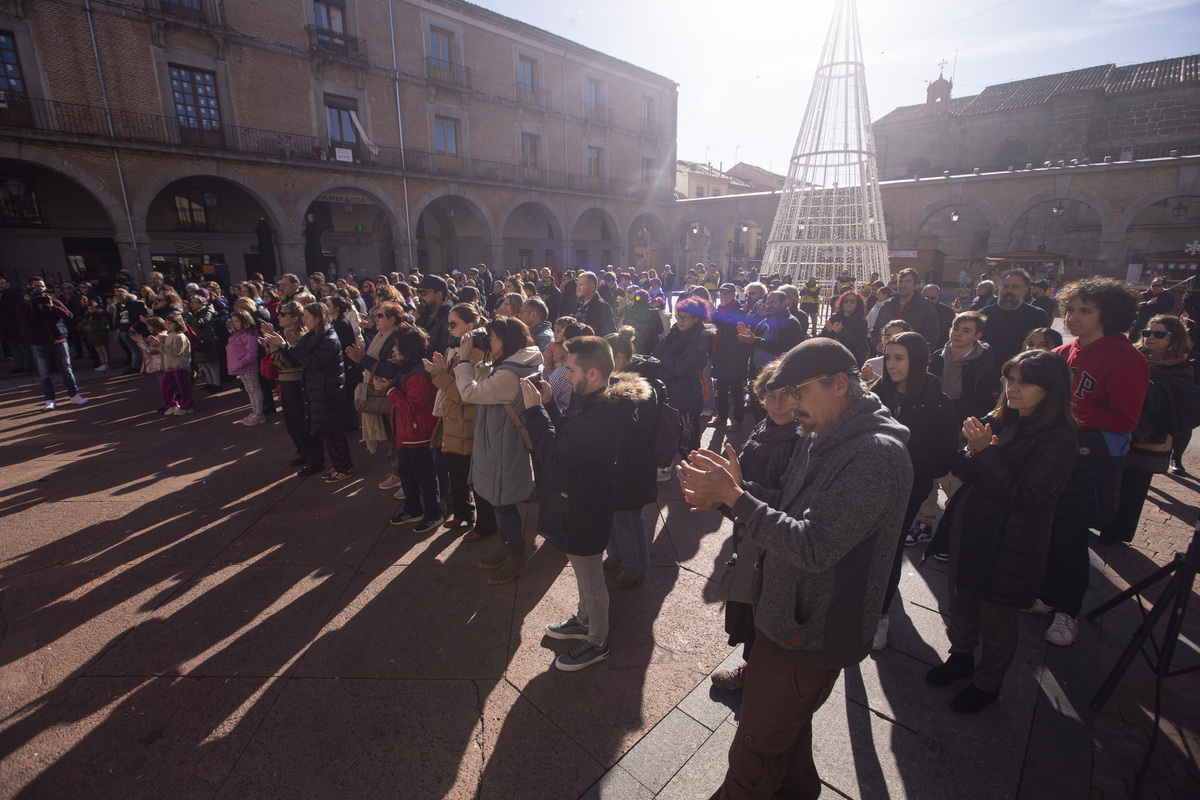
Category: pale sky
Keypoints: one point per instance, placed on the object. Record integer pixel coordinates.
(745, 68)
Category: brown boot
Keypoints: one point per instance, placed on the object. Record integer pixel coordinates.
(498, 556)
(623, 580)
(514, 565)
(611, 563)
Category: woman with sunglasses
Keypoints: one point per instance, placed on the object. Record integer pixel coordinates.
(848, 324)
(1014, 468)
(1167, 348)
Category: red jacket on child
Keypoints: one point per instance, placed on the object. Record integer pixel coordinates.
(412, 397)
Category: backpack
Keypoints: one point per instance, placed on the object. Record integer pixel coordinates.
(668, 428)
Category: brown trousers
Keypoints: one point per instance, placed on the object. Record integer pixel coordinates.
(771, 755)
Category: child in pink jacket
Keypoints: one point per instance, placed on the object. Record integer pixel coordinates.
(241, 358)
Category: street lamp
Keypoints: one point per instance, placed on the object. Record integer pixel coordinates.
(695, 228)
(15, 187)
(1057, 210)
(210, 199)
(1179, 210)
(954, 215)
(745, 227)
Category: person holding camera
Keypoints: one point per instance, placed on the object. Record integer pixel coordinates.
(43, 317)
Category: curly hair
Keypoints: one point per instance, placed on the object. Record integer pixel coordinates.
(1117, 301)
(860, 309)
(698, 308)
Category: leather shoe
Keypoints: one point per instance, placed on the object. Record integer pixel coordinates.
(958, 665)
(309, 471)
(972, 700)
(624, 580)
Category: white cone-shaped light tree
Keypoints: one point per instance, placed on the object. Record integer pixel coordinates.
(830, 215)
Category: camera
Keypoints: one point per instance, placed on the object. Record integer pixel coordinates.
(480, 339)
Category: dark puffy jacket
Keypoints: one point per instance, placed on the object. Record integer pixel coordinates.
(682, 356)
(998, 523)
(208, 347)
(933, 427)
(637, 483)
(731, 361)
(435, 326)
(579, 448)
(980, 382)
(319, 354)
(775, 336)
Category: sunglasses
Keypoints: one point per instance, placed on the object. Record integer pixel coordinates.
(380, 316)
(1156, 334)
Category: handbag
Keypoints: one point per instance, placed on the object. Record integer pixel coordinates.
(369, 401)
(267, 368)
(743, 571)
(521, 429)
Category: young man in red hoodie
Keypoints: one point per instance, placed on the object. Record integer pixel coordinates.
(1109, 380)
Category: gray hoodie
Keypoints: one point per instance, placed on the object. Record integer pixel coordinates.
(830, 545)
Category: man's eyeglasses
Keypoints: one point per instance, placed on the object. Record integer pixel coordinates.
(794, 391)
(1156, 334)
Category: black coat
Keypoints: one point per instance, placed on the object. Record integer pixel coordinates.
(731, 361)
(598, 316)
(998, 523)
(854, 334)
(933, 427)
(435, 325)
(980, 383)
(637, 482)
(579, 449)
(319, 354)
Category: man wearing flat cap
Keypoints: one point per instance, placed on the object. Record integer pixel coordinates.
(435, 301)
(828, 538)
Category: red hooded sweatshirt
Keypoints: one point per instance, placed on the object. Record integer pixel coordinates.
(1109, 380)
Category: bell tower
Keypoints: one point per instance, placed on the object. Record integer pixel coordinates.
(937, 96)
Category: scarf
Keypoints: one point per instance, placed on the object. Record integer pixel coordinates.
(1163, 360)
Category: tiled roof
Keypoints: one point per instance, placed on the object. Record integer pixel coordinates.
(1107, 78)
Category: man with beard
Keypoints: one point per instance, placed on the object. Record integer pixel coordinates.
(591, 309)
(828, 548)
(435, 304)
(776, 334)
(1157, 300)
(909, 305)
(1010, 318)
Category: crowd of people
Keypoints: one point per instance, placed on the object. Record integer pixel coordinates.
(868, 413)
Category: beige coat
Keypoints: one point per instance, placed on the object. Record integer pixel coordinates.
(458, 418)
(177, 352)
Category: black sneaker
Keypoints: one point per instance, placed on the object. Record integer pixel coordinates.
(956, 667)
(402, 517)
(942, 556)
(920, 532)
(972, 700)
(428, 525)
(567, 629)
(309, 471)
(582, 655)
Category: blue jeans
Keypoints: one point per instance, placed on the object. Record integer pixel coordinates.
(510, 524)
(627, 541)
(135, 352)
(45, 356)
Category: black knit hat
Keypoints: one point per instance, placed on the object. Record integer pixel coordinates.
(812, 358)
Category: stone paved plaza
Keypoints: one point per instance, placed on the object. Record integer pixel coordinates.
(181, 617)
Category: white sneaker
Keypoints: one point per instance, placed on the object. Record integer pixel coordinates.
(49, 406)
(664, 474)
(1064, 630)
(880, 641)
(399, 495)
(102, 368)
(1039, 607)
(78, 399)
(390, 482)
(179, 412)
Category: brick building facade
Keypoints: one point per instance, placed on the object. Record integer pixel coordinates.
(320, 134)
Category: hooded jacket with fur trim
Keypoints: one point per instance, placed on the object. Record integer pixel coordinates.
(579, 448)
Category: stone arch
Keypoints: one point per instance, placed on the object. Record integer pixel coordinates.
(722, 233)
(685, 223)
(555, 218)
(276, 216)
(966, 201)
(477, 205)
(1144, 202)
(1107, 221)
(395, 215)
(112, 206)
(608, 211)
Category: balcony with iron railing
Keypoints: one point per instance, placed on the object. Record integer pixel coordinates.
(597, 112)
(326, 42)
(649, 127)
(446, 72)
(528, 95)
(25, 114)
(206, 12)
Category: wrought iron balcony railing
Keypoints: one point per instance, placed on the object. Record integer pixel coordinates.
(527, 95)
(326, 42)
(444, 71)
(28, 113)
(208, 12)
(598, 113)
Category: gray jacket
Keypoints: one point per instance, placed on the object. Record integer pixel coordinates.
(501, 471)
(830, 545)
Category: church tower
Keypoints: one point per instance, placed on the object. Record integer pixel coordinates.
(937, 96)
